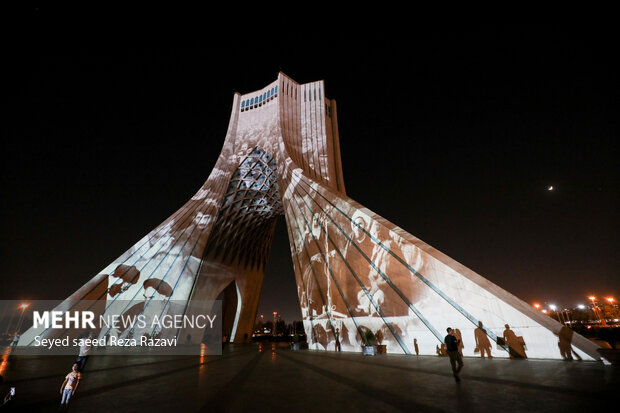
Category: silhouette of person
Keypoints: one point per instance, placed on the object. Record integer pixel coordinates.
(452, 347)
(482, 341)
(338, 340)
(415, 346)
(516, 344)
(85, 350)
(343, 337)
(565, 336)
(15, 341)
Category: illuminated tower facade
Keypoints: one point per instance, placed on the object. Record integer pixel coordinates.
(355, 271)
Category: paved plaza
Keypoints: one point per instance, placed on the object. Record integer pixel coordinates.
(248, 378)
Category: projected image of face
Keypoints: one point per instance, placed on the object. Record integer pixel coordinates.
(156, 289)
(156, 295)
(123, 277)
(357, 224)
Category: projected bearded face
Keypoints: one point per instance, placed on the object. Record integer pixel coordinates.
(150, 293)
(358, 223)
(156, 290)
(123, 277)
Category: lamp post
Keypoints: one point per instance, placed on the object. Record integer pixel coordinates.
(554, 308)
(611, 311)
(568, 317)
(273, 333)
(597, 311)
(23, 306)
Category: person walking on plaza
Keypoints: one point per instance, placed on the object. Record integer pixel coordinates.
(70, 385)
(85, 350)
(452, 346)
(15, 341)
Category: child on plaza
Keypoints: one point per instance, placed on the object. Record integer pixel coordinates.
(69, 386)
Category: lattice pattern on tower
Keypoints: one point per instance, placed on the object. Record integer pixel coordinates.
(246, 220)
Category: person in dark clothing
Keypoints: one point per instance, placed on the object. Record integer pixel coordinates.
(452, 346)
(338, 347)
(85, 350)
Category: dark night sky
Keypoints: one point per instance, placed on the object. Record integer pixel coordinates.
(452, 133)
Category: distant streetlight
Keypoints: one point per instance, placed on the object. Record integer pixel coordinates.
(610, 299)
(537, 306)
(581, 306)
(274, 323)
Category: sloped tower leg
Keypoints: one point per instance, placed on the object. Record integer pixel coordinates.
(357, 272)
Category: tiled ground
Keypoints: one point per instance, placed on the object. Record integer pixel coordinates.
(249, 378)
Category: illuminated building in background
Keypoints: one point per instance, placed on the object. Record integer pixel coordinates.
(355, 271)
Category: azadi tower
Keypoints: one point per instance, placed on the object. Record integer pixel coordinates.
(355, 271)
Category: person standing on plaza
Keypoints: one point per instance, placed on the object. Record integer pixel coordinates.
(85, 350)
(338, 347)
(70, 385)
(452, 346)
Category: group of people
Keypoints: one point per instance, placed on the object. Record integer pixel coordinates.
(453, 346)
(72, 380)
